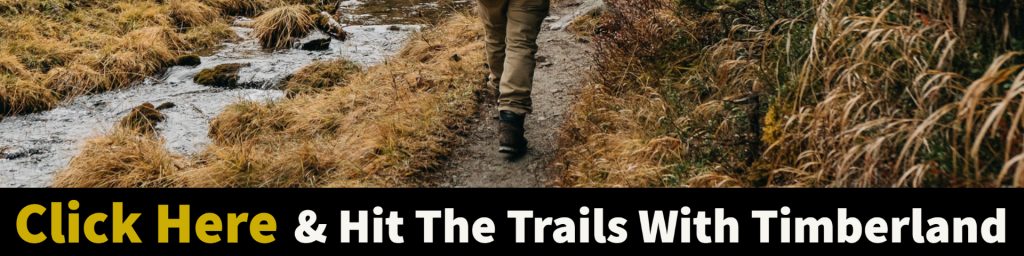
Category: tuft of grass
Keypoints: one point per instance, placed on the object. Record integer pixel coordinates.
(191, 13)
(19, 95)
(242, 121)
(279, 27)
(121, 159)
(207, 37)
(135, 15)
(132, 155)
(319, 76)
(41, 54)
(142, 119)
(142, 52)
(244, 7)
(224, 75)
(586, 25)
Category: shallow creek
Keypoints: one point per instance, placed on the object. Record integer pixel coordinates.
(33, 147)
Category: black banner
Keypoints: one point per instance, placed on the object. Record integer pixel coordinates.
(602, 221)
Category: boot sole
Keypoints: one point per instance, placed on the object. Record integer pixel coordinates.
(507, 150)
(511, 151)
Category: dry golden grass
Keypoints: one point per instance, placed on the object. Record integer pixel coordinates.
(191, 13)
(210, 36)
(130, 156)
(244, 7)
(55, 49)
(74, 80)
(279, 27)
(319, 76)
(122, 159)
(585, 25)
(850, 93)
(23, 95)
(382, 128)
(608, 140)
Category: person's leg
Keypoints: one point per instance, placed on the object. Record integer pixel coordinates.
(524, 24)
(494, 16)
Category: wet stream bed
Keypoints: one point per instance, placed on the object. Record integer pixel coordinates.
(33, 147)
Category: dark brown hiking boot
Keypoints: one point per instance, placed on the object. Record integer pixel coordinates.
(513, 139)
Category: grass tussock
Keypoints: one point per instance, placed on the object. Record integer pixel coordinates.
(74, 80)
(223, 75)
(319, 76)
(10, 65)
(23, 95)
(279, 27)
(382, 127)
(191, 13)
(802, 93)
(130, 156)
(244, 7)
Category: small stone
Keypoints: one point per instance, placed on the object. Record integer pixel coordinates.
(189, 60)
(394, 28)
(166, 105)
(552, 18)
(322, 44)
(143, 119)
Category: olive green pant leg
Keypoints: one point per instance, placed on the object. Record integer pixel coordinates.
(524, 24)
(495, 20)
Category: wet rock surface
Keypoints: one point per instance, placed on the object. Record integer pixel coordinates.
(320, 44)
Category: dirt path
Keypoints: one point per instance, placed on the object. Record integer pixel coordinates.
(563, 61)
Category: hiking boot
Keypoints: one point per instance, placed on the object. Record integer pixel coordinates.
(513, 142)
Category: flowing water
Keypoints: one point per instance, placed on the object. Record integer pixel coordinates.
(33, 147)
